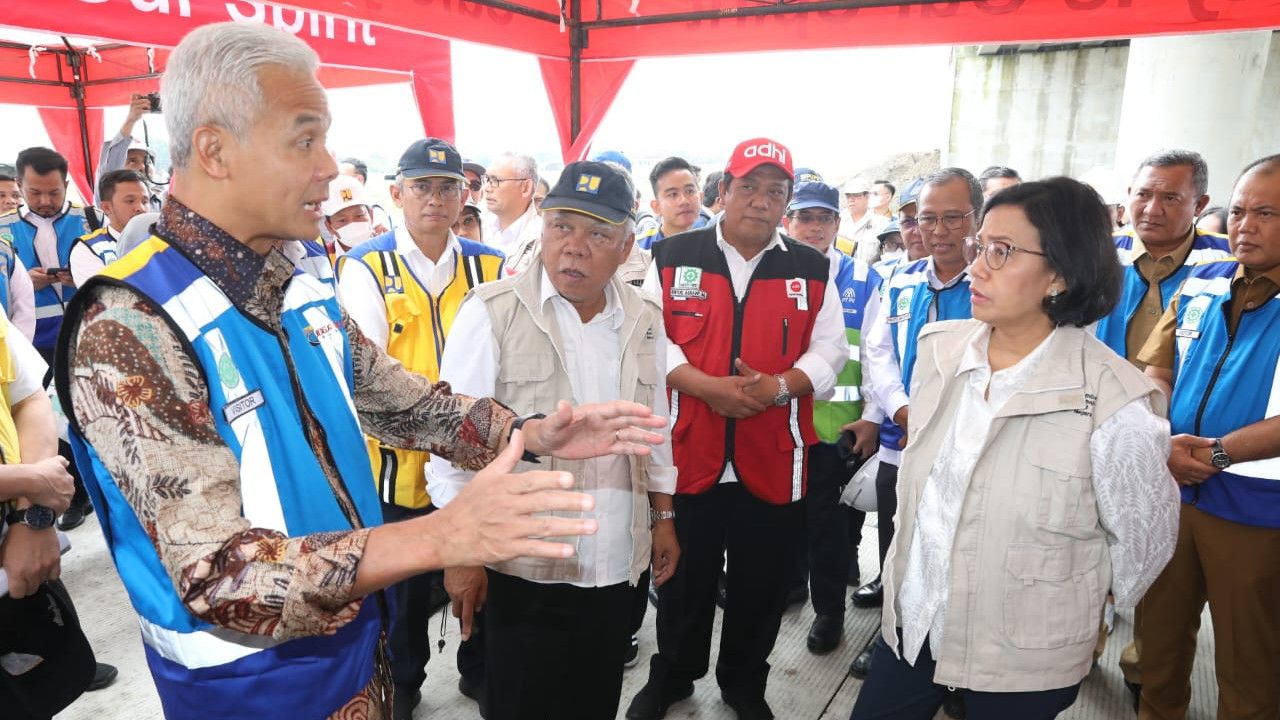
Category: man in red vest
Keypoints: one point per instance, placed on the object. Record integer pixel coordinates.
(754, 330)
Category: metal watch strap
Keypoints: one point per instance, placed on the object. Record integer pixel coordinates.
(784, 393)
(519, 423)
(656, 515)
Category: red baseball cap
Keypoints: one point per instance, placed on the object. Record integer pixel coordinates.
(751, 154)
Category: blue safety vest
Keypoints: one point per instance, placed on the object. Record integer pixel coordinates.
(910, 304)
(49, 304)
(1114, 328)
(255, 391)
(855, 282)
(1223, 382)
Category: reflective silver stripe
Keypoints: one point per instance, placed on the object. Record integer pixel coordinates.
(48, 311)
(797, 454)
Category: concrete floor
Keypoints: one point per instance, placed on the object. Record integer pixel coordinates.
(802, 686)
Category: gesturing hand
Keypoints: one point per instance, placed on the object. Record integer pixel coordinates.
(587, 431)
(498, 515)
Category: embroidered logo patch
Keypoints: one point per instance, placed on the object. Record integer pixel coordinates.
(435, 156)
(242, 406)
(346, 194)
(688, 283)
(589, 184)
(227, 371)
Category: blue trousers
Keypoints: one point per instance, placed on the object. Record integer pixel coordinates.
(894, 690)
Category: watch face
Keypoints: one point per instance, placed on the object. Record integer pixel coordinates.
(1220, 460)
(39, 517)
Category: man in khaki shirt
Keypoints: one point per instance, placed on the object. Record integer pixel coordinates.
(1224, 341)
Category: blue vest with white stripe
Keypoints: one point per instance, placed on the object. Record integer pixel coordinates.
(1223, 382)
(6, 269)
(102, 244)
(909, 302)
(255, 391)
(69, 227)
(1114, 328)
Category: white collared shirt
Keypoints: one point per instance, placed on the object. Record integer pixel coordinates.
(828, 345)
(1125, 515)
(592, 352)
(46, 240)
(523, 230)
(361, 293)
(880, 364)
(84, 264)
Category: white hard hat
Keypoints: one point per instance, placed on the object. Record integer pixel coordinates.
(860, 492)
(344, 192)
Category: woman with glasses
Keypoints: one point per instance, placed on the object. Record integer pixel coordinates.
(1034, 480)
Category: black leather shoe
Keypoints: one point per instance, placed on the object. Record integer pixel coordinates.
(797, 595)
(748, 707)
(654, 698)
(870, 595)
(73, 517)
(103, 675)
(405, 701)
(631, 656)
(861, 665)
(824, 633)
(1135, 689)
(953, 706)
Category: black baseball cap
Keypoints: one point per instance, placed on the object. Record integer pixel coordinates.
(430, 157)
(593, 188)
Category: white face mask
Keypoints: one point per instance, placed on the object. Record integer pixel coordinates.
(353, 234)
(893, 254)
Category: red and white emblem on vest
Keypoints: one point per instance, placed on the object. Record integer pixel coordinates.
(798, 290)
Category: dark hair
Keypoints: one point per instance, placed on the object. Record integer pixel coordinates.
(361, 168)
(1075, 236)
(711, 188)
(6, 177)
(1216, 211)
(892, 190)
(1174, 158)
(107, 183)
(42, 160)
(671, 164)
(997, 171)
(946, 175)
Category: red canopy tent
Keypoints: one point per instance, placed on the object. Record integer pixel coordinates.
(586, 48)
(72, 82)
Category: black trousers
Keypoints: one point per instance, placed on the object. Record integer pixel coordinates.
(886, 505)
(81, 497)
(894, 690)
(833, 531)
(410, 639)
(554, 650)
(760, 540)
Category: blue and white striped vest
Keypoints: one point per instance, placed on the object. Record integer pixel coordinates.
(49, 305)
(1223, 382)
(1114, 328)
(255, 390)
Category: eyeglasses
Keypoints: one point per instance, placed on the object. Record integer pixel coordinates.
(996, 252)
(906, 222)
(494, 181)
(444, 191)
(951, 221)
(475, 185)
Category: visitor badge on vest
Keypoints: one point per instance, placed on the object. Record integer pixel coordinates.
(687, 283)
(798, 290)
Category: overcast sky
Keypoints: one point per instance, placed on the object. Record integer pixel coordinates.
(837, 110)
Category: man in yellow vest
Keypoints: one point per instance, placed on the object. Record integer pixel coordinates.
(403, 289)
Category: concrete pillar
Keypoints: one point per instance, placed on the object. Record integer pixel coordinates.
(1198, 92)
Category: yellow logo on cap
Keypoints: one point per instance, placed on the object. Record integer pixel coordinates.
(589, 184)
(435, 156)
(346, 194)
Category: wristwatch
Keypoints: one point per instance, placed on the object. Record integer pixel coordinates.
(784, 393)
(1219, 457)
(519, 423)
(36, 517)
(656, 515)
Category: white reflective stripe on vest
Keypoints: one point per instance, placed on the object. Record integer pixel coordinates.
(846, 393)
(853, 351)
(797, 454)
(44, 312)
(203, 648)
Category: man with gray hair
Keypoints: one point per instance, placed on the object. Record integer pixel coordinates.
(511, 222)
(218, 397)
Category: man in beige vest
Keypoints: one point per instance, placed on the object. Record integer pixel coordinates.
(568, 329)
